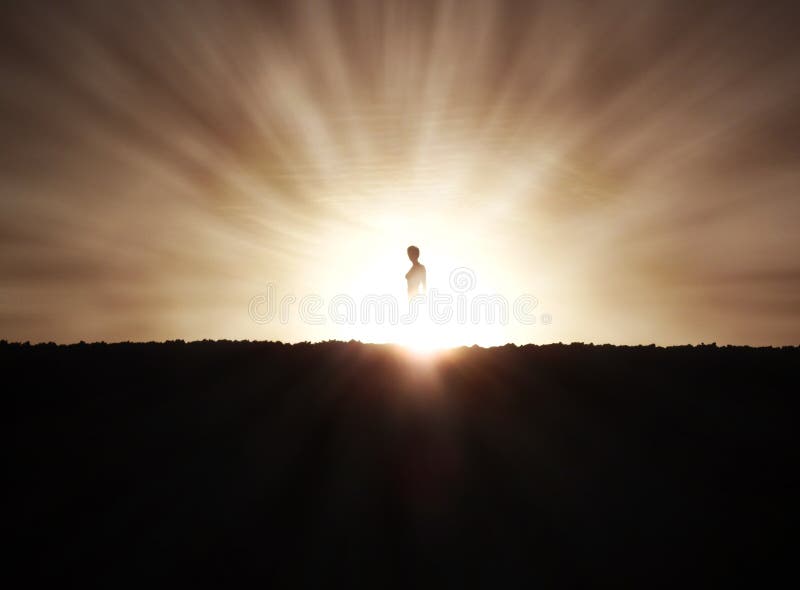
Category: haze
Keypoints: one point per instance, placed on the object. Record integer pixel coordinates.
(634, 165)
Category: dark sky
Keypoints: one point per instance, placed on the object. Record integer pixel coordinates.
(634, 165)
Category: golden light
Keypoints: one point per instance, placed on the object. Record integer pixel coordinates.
(165, 171)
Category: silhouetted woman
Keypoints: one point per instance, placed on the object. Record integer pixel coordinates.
(415, 276)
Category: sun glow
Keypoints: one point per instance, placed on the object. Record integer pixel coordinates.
(304, 145)
(425, 337)
(376, 256)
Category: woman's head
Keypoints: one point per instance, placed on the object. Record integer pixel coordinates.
(413, 253)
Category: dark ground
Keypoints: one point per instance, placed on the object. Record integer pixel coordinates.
(567, 465)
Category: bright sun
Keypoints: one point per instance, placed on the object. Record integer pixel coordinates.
(424, 336)
(382, 265)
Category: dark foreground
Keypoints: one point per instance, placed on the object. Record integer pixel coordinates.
(314, 464)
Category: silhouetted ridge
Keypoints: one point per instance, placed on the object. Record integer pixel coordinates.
(569, 464)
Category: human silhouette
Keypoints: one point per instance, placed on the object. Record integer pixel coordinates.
(416, 276)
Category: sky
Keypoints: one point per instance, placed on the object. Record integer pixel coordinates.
(167, 167)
